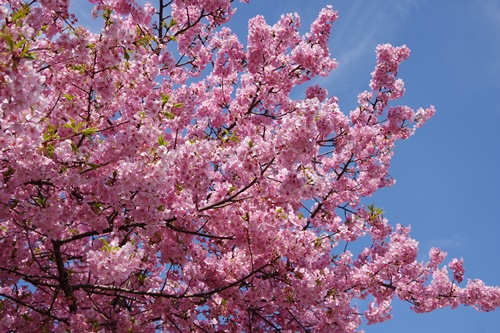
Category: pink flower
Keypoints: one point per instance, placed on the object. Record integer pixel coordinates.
(316, 91)
(457, 267)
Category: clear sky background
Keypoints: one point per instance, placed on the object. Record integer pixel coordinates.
(448, 183)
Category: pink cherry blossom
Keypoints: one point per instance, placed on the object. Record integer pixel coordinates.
(158, 176)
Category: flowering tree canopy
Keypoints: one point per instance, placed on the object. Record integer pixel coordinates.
(159, 176)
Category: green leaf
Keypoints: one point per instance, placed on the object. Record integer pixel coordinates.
(71, 125)
(80, 68)
(169, 115)
(141, 278)
(50, 150)
(41, 201)
(161, 141)
(317, 242)
(374, 212)
(107, 13)
(8, 39)
(69, 97)
(21, 13)
(28, 56)
(50, 133)
(20, 44)
(108, 247)
(92, 165)
(88, 131)
(164, 99)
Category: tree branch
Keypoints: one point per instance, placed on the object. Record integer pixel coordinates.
(63, 276)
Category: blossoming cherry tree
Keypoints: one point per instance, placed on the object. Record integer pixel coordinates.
(160, 176)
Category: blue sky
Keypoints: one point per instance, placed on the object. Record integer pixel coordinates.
(447, 188)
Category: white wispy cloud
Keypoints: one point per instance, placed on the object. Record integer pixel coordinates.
(492, 10)
(364, 24)
(453, 242)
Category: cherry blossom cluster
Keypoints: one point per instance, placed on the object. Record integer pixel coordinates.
(160, 175)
